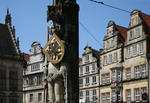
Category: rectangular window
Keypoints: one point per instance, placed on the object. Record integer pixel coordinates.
(2, 79)
(131, 35)
(81, 70)
(107, 78)
(81, 82)
(114, 95)
(144, 90)
(137, 94)
(39, 97)
(94, 95)
(31, 81)
(119, 96)
(137, 72)
(105, 60)
(31, 97)
(134, 48)
(115, 57)
(103, 98)
(87, 95)
(13, 80)
(128, 52)
(94, 79)
(87, 69)
(103, 79)
(87, 80)
(118, 75)
(39, 80)
(107, 44)
(87, 58)
(93, 67)
(113, 76)
(128, 74)
(137, 32)
(81, 95)
(110, 58)
(35, 67)
(141, 48)
(143, 70)
(128, 96)
(112, 42)
(108, 97)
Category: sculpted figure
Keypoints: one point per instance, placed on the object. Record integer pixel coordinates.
(57, 2)
(56, 82)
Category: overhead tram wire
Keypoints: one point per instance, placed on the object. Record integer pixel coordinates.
(90, 34)
(102, 3)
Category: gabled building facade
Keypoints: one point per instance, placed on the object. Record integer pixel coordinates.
(89, 76)
(135, 72)
(11, 64)
(124, 64)
(33, 88)
(111, 63)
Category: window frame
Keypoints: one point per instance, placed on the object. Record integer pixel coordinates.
(128, 74)
(137, 94)
(136, 73)
(128, 95)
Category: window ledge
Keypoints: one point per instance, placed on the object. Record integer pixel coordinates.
(87, 73)
(94, 83)
(87, 84)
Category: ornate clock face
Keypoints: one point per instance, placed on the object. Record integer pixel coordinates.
(54, 49)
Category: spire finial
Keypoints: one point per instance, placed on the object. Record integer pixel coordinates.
(7, 11)
(18, 42)
(8, 18)
(87, 45)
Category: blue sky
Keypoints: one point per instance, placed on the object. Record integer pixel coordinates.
(29, 18)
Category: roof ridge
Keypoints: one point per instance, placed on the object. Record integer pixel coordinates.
(14, 40)
(122, 26)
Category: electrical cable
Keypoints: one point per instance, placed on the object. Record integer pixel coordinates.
(90, 33)
(110, 6)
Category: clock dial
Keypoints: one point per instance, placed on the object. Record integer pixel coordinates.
(54, 49)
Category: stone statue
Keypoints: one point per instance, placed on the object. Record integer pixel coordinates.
(57, 2)
(56, 74)
(61, 51)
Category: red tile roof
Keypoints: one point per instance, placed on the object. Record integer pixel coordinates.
(123, 32)
(26, 57)
(146, 18)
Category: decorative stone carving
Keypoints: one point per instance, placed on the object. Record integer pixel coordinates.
(55, 78)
